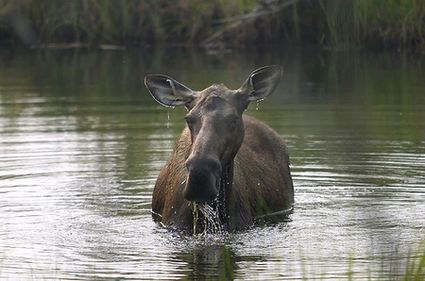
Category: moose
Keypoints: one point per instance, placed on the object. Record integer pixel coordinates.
(234, 163)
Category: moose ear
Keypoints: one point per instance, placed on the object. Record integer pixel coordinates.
(167, 91)
(262, 82)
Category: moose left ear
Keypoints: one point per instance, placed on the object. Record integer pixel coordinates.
(262, 82)
(167, 91)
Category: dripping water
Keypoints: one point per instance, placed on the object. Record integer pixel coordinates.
(168, 118)
(210, 218)
(212, 221)
(257, 107)
(195, 216)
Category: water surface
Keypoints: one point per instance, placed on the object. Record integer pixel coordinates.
(82, 143)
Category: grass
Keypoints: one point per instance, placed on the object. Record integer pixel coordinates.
(415, 265)
(121, 21)
(373, 22)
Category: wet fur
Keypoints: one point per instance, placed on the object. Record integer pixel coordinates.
(261, 183)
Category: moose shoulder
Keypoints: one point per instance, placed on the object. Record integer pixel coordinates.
(235, 164)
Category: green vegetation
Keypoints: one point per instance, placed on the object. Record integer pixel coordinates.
(119, 22)
(409, 268)
(328, 23)
(374, 22)
(415, 267)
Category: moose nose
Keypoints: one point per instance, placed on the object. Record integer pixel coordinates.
(202, 179)
(208, 163)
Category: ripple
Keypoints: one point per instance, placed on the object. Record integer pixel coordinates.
(80, 151)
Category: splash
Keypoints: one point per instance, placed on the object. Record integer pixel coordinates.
(212, 221)
(210, 218)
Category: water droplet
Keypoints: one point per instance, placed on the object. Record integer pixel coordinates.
(168, 118)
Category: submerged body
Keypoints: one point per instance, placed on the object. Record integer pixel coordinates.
(223, 160)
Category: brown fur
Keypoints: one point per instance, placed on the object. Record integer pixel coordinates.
(262, 181)
(231, 162)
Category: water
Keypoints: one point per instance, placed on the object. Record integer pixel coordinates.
(82, 143)
(208, 216)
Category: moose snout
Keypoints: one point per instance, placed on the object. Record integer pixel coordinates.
(202, 179)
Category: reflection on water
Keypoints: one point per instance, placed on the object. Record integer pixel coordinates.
(82, 143)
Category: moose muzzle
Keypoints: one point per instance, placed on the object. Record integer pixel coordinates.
(203, 179)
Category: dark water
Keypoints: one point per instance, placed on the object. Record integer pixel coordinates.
(81, 144)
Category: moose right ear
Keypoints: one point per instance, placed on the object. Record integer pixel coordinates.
(167, 91)
(262, 82)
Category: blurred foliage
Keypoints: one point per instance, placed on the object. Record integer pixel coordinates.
(389, 22)
(329, 23)
(116, 21)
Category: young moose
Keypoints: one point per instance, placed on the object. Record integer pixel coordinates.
(234, 163)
